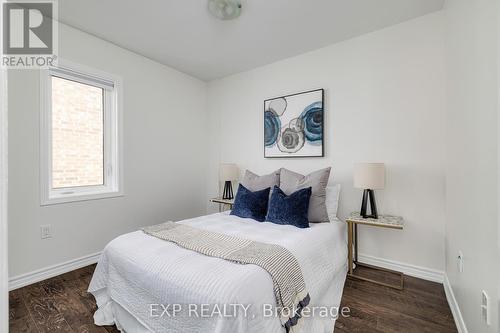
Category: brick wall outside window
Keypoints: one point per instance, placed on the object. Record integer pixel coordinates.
(77, 134)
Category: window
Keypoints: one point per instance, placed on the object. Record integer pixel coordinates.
(80, 142)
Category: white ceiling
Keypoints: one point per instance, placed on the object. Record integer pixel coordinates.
(183, 35)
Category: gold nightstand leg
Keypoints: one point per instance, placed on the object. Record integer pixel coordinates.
(349, 246)
(355, 240)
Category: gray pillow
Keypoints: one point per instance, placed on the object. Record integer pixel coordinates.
(291, 181)
(255, 182)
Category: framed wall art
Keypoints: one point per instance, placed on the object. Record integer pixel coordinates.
(294, 125)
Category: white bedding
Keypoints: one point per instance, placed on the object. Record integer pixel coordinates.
(137, 270)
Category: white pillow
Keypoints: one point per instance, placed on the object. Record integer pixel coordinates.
(332, 201)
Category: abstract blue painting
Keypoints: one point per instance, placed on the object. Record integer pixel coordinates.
(293, 125)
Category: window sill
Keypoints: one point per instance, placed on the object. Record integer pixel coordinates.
(79, 197)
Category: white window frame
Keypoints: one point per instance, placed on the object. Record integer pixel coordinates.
(113, 152)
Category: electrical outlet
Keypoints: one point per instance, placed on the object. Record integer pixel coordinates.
(485, 308)
(45, 231)
(460, 262)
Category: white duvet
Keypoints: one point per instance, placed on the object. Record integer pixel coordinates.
(138, 276)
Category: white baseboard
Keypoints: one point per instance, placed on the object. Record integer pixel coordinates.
(455, 309)
(408, 269)
(51, 271)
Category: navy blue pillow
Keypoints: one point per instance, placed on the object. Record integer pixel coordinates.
(251, 204)
(289, 209)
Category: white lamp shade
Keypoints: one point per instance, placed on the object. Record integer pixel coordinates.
(369, 176)
(228, 171)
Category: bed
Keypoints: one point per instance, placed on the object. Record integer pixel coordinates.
(141, 281)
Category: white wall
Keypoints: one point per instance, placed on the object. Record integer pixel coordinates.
(385, 102)
(164, 159)
(4, 297)
(472, 160)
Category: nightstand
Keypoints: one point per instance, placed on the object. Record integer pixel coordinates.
(223, 203)
(384, 221)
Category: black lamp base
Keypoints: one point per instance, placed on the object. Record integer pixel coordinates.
(228, 190)
(373, 205)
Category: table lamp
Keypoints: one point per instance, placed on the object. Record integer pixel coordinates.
(369, 177)
(227, 173)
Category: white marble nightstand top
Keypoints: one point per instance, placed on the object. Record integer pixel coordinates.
(386, 221)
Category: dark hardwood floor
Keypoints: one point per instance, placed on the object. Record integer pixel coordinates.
(61, 304)
(420, 307)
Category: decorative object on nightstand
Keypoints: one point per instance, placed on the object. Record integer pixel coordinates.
(384, 221)
(228, 172)
(223, 202)
(369, 177)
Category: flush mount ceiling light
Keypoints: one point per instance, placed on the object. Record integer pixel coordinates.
(225, 9)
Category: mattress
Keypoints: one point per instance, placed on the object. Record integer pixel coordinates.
(145, 284)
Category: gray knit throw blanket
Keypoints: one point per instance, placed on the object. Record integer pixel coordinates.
(289, 286)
